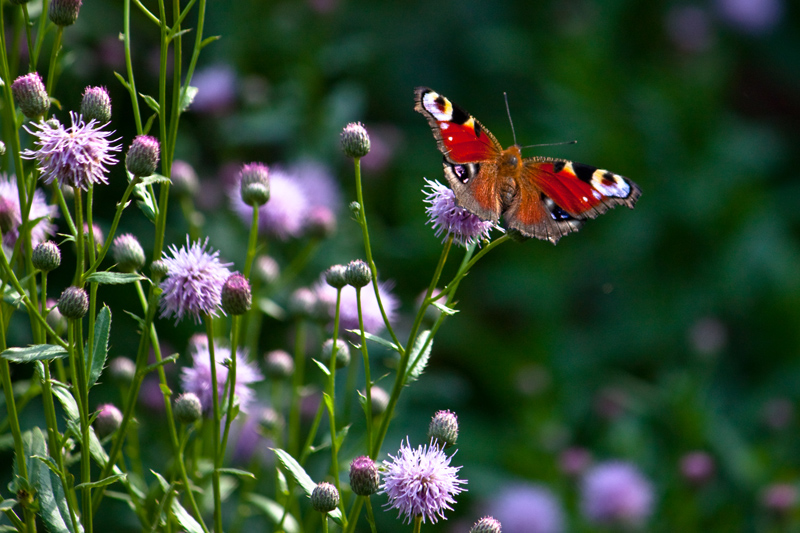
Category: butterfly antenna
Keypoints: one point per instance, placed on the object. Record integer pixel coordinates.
(548, 144)
(508, 111)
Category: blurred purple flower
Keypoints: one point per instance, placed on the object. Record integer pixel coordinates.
(284, 215)
(194, 281)
(11, 215)
(574, 460)
(779, 498)
(420, 482)
(385, 139)
(348, 311)
(697, 467)
(319, 185)
(197, 378)
(689, 28)
(616, 493)
(751, 16)
(250, 442)
(216, 89)
(447, 218)
(527, 508)
(77, 156)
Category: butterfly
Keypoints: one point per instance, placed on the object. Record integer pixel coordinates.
(539, 197)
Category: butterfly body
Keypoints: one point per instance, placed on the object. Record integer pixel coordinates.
(540, 197)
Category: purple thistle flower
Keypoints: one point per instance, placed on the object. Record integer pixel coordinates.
(284, 215)
(194, 281)
(77, 156)
(447, 218)
(421, 482)
(615, 492)
(348, 311)
(527, 508)
(12, 215)
(197, 378)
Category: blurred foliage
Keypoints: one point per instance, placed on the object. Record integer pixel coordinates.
(647, 335)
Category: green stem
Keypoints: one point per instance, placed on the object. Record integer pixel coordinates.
(367, 375)
(216, 422)
(51, 72)
(252, 243)
(78, 369)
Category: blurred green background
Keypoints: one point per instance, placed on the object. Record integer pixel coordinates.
(649, 334)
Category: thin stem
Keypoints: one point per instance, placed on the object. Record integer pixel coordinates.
(216, 422)
(367, 375)
(51, 73)
(252, 243)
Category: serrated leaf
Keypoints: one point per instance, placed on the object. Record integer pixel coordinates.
(300, 476)
(153, 179)
(419, 357)
(188, 97)
(444, 309)
(102, 331)
(151, 102)
(66, 399)
(274, 512)
(52, 501)
(236, 472)
(37, 352)
(102, 482)
(341, 435)
(114, 278)
(376, 339)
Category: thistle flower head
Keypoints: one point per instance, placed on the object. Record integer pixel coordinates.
(487, 524)
(128, 253)
(364, 476)
(30, 95)
(12, 215)
(421, 482)
(64, 12)
(355, 140)
(348, 310)
(108, 420)
(78, 155)
(615, 492)
(96, 105)
(527, 508)
(188, 408)
(236, 295)
(46, 256)
(194, 281)
(254, 184)
(73, 303)
(324, 497)
(447, 218)
(444, 428)
(197, 378)
(143, 154)
(279, 364)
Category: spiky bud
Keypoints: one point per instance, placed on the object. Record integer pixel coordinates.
(96, 105)
(73, 303)
(254, 184)
(358, 274)
(108, 420)
(30, 95)
(188, 408)
(236, 295)
(444, 428)
(142, 157)
(355, 140)
(336, 276)
(159, 269)
(342, 353)
(487, 524)
(128, 253)
(46, 256)
(364, 476)
(324, 497)
(64, 12)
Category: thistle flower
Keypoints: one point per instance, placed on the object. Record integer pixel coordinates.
(421, 482)
(325, 497)
(447, 218)
(487, 524)
(46, 256)
(197, 378)
(30, 95)
(12, 215)
(284, 216)
(444, 428)
(77, 156)
(64, 12)
(143, 154)
(348, 311)
(278, 364)
(188, 408)
(236, 295)
(364, 476)
(254, 184)
(615, 492)
(355, 140)
(527, 508)
(96, 105)
(73, 303)
(128, 253)
(194, 281)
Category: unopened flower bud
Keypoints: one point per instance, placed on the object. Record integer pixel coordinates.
(254, 184)
(342, 353)
(336, 276)
(73, 303)
(122, 370)
(108, 420)
(324, 497)
(444, 428)
(64, 12)
(96, 105)
(364, 476)
(128, 253)
(46, 256)
(380, 400)
(142, 157)
(358, 274)
(188, 408)
(159, 269)
(355, 140)
(487, 524)
(30, 95)
(236, 295)
(279, 364)
(355, 208)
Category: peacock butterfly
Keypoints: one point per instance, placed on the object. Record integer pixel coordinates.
(540, 197)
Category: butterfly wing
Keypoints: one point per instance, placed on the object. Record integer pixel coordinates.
(555, 197)
(470, 153)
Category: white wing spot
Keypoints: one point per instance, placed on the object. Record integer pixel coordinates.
(449, 138)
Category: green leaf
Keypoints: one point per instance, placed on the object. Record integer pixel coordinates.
(145, 201)
(300, 476)
(444, 309)
(188, 97)
(236, 472)
(149, 124)
(11, 296)
(53, 507)
(325, 369)
(102, 482)
(7, 505)
(186, 520)
(274, 512)
(376, 339)
(122, 80)
(419, 359)
(102, 330)
(114, 278)
(151, 102)
(37, 352)
(171, 359)
(154, 178)
(67, 400)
